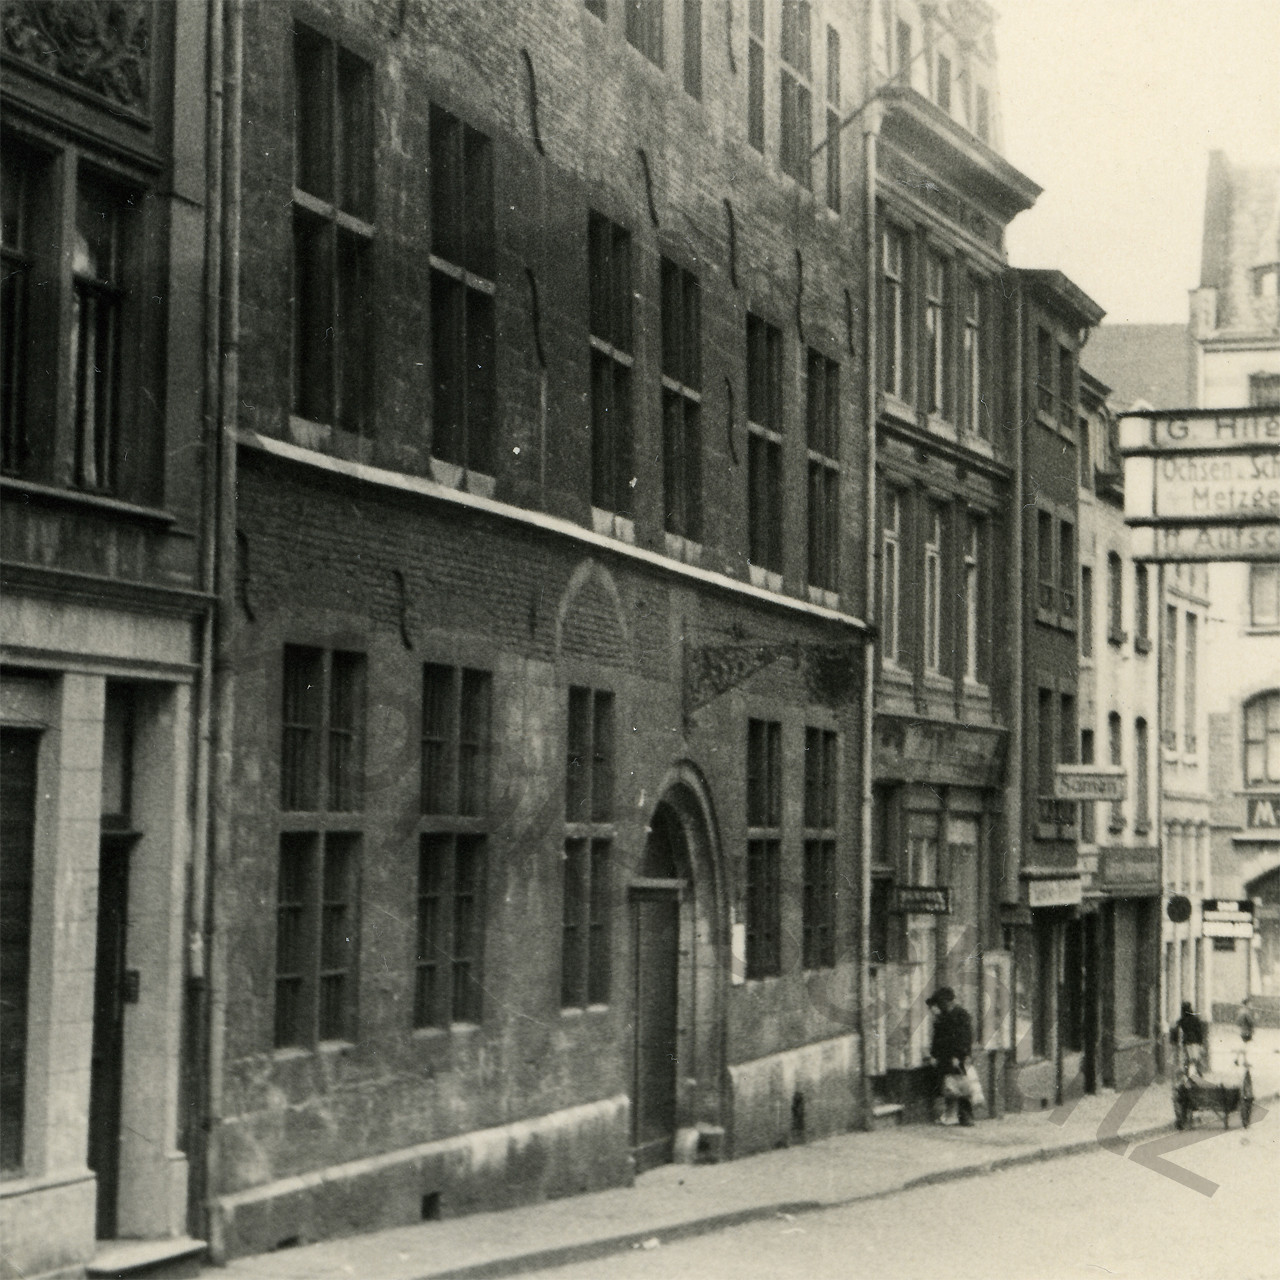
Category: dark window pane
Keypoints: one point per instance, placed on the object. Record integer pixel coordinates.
(437, 732)
(301, 715)
(435, 852)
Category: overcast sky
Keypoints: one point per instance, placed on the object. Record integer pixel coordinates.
(1113, 106)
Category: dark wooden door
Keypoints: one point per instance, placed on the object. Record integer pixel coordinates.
(106, 1075)
(656, 930)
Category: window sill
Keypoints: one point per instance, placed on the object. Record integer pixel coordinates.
(977, 443)
(1141, 644)
(893, 407)
(583, 1011)
(1117, 638)
(613, 526)
(820, 595)
(1262, 629)
(678, 547)
(765, 578)
(940, 426)
(454, 476)
(85, 498)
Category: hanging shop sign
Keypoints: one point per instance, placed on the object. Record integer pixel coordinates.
(1129, 867)
(1202, 484)
(1264, 812)
(1064, 891)
(1226, 918)
(1089, 782)
(922, 899)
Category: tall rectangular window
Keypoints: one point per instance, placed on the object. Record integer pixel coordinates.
(455, 740)
(692, 12)
(982, 113)
(333, 234)
(834, 180)
(1066, 389)
(823, 431)
(317, 893)
(1067, 569)
(18, 239)
(322, 739)
(974, 417)
(895, 312)
(1085, 449)
(764, 444)
(1169, 680)
(1088, 808)
(681, 402)
(644, 27)
(755, 74)
(1086, 611)
(937, 337)
(973, 603)
(585, 971)
(1141, 778)
(1115, 599)
(463, 274)
(891, 580)
(1066, 809)
(796, 96)
(448, 986)
(1262, 739)
(1141, 609)
(1046, 581)
(943, 87)
(818, 907)
(1044, 371)
(1264, 595)
(1045, 748)
(1115, 750)
(1190, 642)
(609, 289)
(764, 849)
(933, 592)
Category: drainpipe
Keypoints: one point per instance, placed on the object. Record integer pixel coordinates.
(225, 578)
(197, 972)
(870, 135)
(1017, 621)
(1157, 747)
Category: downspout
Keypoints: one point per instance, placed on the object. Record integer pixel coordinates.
(1156, 746)
(225, 579)
(870, 135)
(197, 971)
(1017, 621)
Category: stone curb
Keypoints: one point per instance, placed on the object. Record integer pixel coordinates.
(592, 1250)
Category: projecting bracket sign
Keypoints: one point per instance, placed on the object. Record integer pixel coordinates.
(1202, 484)
(1089, 782)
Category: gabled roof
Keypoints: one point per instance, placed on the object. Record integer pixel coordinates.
(1148, 362)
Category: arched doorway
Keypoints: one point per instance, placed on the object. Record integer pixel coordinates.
(676, 979)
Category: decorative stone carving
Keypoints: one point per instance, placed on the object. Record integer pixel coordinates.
(102, 45)
(831, 672)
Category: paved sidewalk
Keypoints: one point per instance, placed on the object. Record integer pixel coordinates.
(676, 1201)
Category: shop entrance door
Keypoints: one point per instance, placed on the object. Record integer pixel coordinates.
(106, 1073)
(655, 925)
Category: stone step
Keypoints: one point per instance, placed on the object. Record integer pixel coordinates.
(175, 1259)
(885, 1115)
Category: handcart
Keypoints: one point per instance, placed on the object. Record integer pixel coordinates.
(1195, 1089)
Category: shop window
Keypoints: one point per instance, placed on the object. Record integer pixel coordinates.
(322, 746)
(823, 437)
(644, 27)
(585, 969)
(681, 402)
(764, 849)
(764, 444)
(891, 580)
(692, 14)
(834, 180)
(819, 899)
(895, 312)
(19, 750)
(317, 928)
(333, 234)
(796, 96)
(1262, 739)
(1264, 595)
(755, 74)
(609, 289)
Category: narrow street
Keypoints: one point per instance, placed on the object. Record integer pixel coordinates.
(1089, 1215)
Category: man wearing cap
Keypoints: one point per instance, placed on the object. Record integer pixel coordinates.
(950, 1048)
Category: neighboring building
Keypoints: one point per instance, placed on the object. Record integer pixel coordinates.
(1235, 322)
(1118, 707)
(544, 857)
(1051, 937)
(101, 480)
(947, 439)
